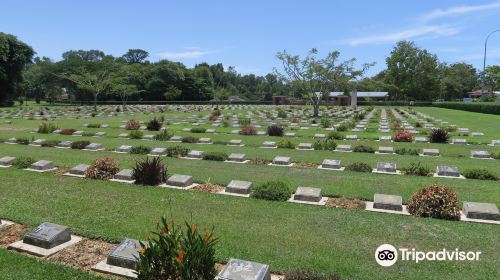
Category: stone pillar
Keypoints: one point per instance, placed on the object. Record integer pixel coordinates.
(354, 98)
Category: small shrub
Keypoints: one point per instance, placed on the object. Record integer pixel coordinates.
(308, 275)
(402, 136)
(435, 202)
(334, 135)
(406, 151)
(23, 141)
(46, 127)
(189, 139)
(248, 130)
(94, 125)
(272, 190)
(286, 144)
(495, 155)
(342, 127)
(67, 131)
(244, 121)
(23, 162)
(327, 145)
(363, 149)
(177, 151)
(439, 136)
(198, 130)
(480, 174)
(275, 130)
(164, 135)
(150, 171)
(216, 156)
(326, 122)
(132, 125)
(135, 134)
(417, 169)
(295, 120)
(102, 168)
(50, 143)
(282, 114)
(172, 252)
(79, 145)
(140, 150)
(154, 125)
(225, 123)
(358, 167)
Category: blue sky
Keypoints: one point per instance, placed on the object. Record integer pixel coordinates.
(247, 34)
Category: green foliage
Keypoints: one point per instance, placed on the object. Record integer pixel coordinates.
(94, 125)
(486, 108)
(216, 156)
(132, 125)
(23, 140)
(23, 162)
(495, 155)
(416, 169)
(102, 168)
(275, 130)
(358, 167)
(327, 145)
(363, 149)
(436, 201)
(439, 135)
(282, 114)
(326, 122)
(189, 139)
(173, 252)
(406, 151)
(140, 150)
(177, 151)
(198, 130)
(334, 135)
(164, 135)
(46, 127)
(286, 144)
(149, 171)
(342, 127)
(88, 133)
(272, 190)
(154, 125)
(67, 131)
(50, 143)
(244, 121)
(79, 144)
(480, 174)
(135, 134)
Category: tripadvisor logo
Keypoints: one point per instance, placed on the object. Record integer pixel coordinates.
(387, 255)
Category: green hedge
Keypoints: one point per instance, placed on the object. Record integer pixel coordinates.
(480, 107)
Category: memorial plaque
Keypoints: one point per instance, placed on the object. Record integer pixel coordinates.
(443, 170)
(386, 150)
(430, 152)
(495, 143)
(269, 144)
(42, 165)
(158, 151)
(180, 180)
(305, 146)
(235, 142)
(308, 194)
(78, 133)
(205, 141)
(149, 137)
(99, 134)
(195, 154)
(319, 136)
(239, 187)
(125, 255)
(333, 164)
(244, 270)
(279, 160)
(480, 154)
(48, 235)
(79, 169)
(484, 211)
(6, 161)
(351, 137)
(175, 139)
(388, 202)
(459, 141)
(123, 135)
(64, 144)
(38, 142)
(124, 149)
(385, 139)
(343, 148)
(124, 175)
(389, 167)
(289, 134)
(93, 146)
(237, 157)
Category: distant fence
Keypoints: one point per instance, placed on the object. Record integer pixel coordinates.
(479, 107)
(84, 102)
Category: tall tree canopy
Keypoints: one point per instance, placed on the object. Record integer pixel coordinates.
(414, 71)
(14, 56)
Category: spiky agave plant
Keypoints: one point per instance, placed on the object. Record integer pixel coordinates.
(150, 171)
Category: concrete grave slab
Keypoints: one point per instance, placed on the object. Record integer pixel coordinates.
(386, 168)
(64, 144)
(124, 176)
(180, 182)
(6, 161)
(388, 202)
(239, 187)
(448, 172)
(239, 158)
(94, 147)
(281, 161)
(332, 164)
(430, 152)
(480, 154)
(78, 171)
(237, 269)
(42, 166)
(123, 149)
(158, 152)
(481, 211)
(193, 154)
(343, 148)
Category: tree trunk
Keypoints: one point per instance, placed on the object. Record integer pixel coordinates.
(95, 103)
(316, 110)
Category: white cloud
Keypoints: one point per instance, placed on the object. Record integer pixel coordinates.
(432, 31)
(493, 54)
(190, 54)
(440, 13)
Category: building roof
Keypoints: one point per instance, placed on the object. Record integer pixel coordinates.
(360, 94)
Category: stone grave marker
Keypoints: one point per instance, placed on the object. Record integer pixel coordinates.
(308, 194)
(305, 146)
(268, 144)
(244, 270)
(6, 161)
(280, 160)
(124, 175)
(47, 236)
(236, 157)
(42, 165)
(430, 152)
(385, 150)
(386, 167)
(332, 164)
(343, 148)
(484, 211)
(480, 154)
(447, 171)
(124, 149)
(388, 202)
(93, 147)
(195, 154)
(158, 152)
(239, 187)
(79, 170)
(125, 255)
(181, 181)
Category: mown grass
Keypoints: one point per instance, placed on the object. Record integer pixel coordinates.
(287, 236)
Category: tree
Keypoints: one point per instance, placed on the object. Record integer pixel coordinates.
(14, 56)
(457, 80)
(491, 78)
(316, 77)
(414, 71)
(135, 56)
(39, 81)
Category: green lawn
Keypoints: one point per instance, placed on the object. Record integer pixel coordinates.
(286, 236)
